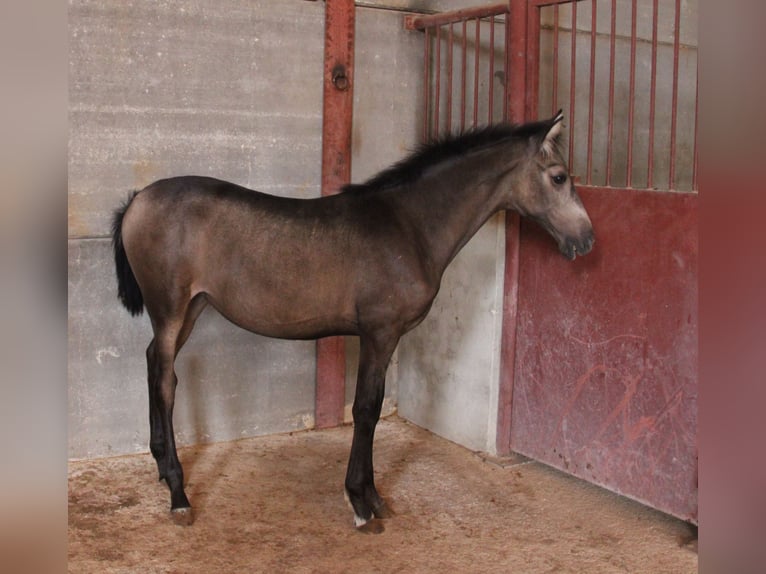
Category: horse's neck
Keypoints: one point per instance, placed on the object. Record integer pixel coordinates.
(449, 206)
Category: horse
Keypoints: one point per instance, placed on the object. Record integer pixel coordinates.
(367, 262)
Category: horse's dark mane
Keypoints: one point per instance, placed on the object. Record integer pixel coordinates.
(431, 154)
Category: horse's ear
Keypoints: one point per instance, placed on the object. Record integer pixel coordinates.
(554, 127)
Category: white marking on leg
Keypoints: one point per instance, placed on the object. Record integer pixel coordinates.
(358, 520)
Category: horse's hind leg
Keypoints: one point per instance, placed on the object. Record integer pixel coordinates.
(375, 353)
(169, 337)
(157, 435)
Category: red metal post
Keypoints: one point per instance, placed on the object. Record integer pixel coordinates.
(438, 82)
(632, 91)
(464, 46)
(450, 52)
(490, 80)
(516, 60)
(532, 75)
(695, 185)
(415, 22)
(516, 76)
(555, 84)
(652, 98)
(572, 84)
(591, 93)
(610, 136)
(337, 114)
(476, 52)
(674, 105)
(426, 84)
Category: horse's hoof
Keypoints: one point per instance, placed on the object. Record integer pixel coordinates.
(182, 516)
(383, 511)
(373, 526)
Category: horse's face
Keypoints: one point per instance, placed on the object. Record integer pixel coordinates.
(544, 192)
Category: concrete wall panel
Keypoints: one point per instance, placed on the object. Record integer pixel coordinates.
(230, 89)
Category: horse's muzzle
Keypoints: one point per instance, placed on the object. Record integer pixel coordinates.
(571, 247)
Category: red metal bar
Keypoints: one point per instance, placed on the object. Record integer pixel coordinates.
(544, 3)
(337, 116)
(426, 85)
(463, 46)
(517, 59)
(516, 69)
(591, 94)
(532, 74)
(491, 82)
(631, 92)
(450, 47)
(674, 104)
(507, 82)
(477, 51)
(610, 123)
(572, 82)
(503, 439)
(555, 85)
(652, 98)
(437, 110)
(420, 22)
(696, 132)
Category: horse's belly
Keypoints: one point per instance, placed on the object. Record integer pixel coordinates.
(286, 317)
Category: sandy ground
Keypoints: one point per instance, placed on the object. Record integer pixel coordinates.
(275, 504)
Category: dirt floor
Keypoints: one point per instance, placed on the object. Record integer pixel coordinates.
(275, 504)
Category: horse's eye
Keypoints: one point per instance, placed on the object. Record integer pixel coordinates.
(559, 178)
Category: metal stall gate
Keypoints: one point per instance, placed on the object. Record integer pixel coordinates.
(599, 356)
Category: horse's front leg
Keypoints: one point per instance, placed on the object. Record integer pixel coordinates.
(375, 354)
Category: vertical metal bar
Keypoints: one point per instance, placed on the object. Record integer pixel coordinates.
(426, 85)
(591, 95)
(450, 42)
(438, 82)
(652, 98)
(631, 93)
(477, 50)
(516, 66)
(462, 77)
(506, 67)
(338, 105)
(491, 81)
(696, 132)
(572, 80)
(555, 86)
(674, 104)
(610, 128)
(532, 75)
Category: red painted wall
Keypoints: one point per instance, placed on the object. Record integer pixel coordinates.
(605, 375)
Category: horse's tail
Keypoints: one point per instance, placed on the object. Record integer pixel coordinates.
(127, 287)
